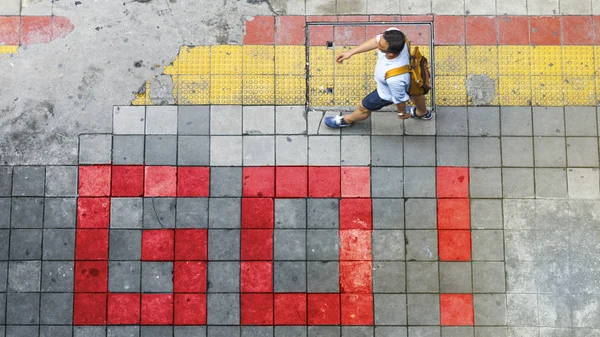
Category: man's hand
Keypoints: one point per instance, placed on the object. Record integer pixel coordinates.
(343, 56)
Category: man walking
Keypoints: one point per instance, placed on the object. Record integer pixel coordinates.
(392, 53)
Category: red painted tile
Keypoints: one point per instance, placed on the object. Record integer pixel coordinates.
(456, 309)
(453, 214)
(189, 309)
(324, 182)
(355, 214)
(356, 277)
(321, 18)
(449, 30)
(291, 181)
(357, 309)
(94, 181)
(91, 244)
(9, 30)
(452, 182)
(193, 181)
(355, 245)
(596, 20)
(290, 30)
(356, 182)
(384, 18)
(373, 31)
(91, 277)
(417, 18)
(482, 30)
(348, 35)
(191, 244)
(544, 30)
(127, 181)
(256, 309)
(290, 309)
(257, 213)
(158, 245)
(257, 277)
(258, 182)
(260, 30)
(189, 277)
(257, 244)
(160, 181)
(36, 29)
(454, 245)
(417, 35)
(89, 309)
(61, 26)
(324, 309)
(93, 212)
(353, 18)
(577, 30)
(513, 30)
(157, 309)
(123, 309)
(320, 35)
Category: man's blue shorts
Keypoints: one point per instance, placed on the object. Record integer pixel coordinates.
(373, 102)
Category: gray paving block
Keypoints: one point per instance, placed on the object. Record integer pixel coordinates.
(387, 182)
(323, 276)
(289, 276)
(484, 121)
(291, 150)
(129, 120)
(258, 120)
(189, 331)
(496, 331)
(27, 212)
(2, 312)
(452, 151)
(517, 183)
(457, 331)
(226, 182)
(291, 213)
(193, 150)
(21, 330)
(316, 124)
(550, 151)
(553, 276)
(421, 127)
(122, 331)
(224, 213)
(455, 278)
(155, 331)
(521, 309)
(548, 121)
(324, 151)
(192, 213)
(56, 308)
(388, 213)
(257, 331)
(5, 207)
(389, 277)
(419, 151)
(289, 244)
(25, 244)
(224, 309)
(61, 181)
(581, 316)
(161, 120)
(157, 277)
(226, 150)
(582, 151)
(554, 310)
(390, 309)
(581, 121)
(355, 150)
(484, 151)
(289, 331)
(193, 120)
(421, 213)
(323, 331)
(386, 123)
(59, 244)
(22, 308)
(124, 276)
(160, 150)
(451, 121)
(486, 214)
(390, 331)
(24, 276)
(515, 121)
(159, 213)
(488, 277)
(125, 245)
(583, 183)
(56, 330)
(259, 150)
(59, 213)
(290, 120)
(421, 245)
(95, 149)
(6, 181)
(4, 243)
(488, 245)
(128, 150)
(225, 120)
(323, 213)
(520, 245)
(419, 182)
(3, 276)
(423, 309)
(424, 331)
(223, 244)
(223, 277)
(422, 277)
(57, 276)
(387, 151)
(314, 7)
(362, 128)
(517, 151)
(28, 181)
(126, 213)
(550, 182)
(321, 245)
(388, 245)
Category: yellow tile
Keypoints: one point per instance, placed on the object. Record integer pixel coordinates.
(259, 60)
(226, 89)
(578, 60)
(450, 60)
(370, 61)
(192, 89)
(349, 90)
(482, 60)
(226, 60)
(514, 60)
(290, 90)
(371, 83)
(320, 90)
(259, 89)
(515, 90)
(546, 60)
(194, 60)
(547, 91)
(580, 90)
(597, 59)
(9, 49)
(355, 66)
(144, 97)
(290, 60)
(450, 90)
(321, 61)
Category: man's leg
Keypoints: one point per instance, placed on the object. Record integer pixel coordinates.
(359, 114)
(420, 103)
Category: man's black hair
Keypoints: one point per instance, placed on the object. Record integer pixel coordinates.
(395, 39)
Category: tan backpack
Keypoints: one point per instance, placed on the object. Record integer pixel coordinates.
(420, 77)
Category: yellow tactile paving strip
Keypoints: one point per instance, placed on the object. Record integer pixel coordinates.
(267, 74)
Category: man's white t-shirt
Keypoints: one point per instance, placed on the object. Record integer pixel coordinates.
(394, 89)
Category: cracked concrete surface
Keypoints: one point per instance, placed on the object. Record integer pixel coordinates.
(52, 92)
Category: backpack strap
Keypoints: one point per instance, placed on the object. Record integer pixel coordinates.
(397, 71)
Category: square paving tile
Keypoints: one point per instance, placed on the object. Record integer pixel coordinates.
(554, 310)
(226, 182)
(225, 120)
(355, 150)
(5, 206)
(291, 150)
(21, 330)
(24, 276)
(4, 243)
(323, 213)
(292, 213)
(386, 123)
(226, 150)
(581, 121)
(387, 182)
(362, 128)
(290, 244)
(25, 244)
(124, 276)
(455, 278)
(389, 277)
(324, 151)
(484, 152)
(422, 277)
(224, 213)
(390, 331)
(95, 149)
(521, 310)
(488, 245)
(423, 309)
(157, 277)
(516, 121)
(484, 331)
(193, 120)
(321, 245)
(488, 277)
(424, 331)
(421, 213)
(390, 309)
(56, 330)
(27, 212)
(3, 276)
(59, 213)
(223, 277)
(61, 181)
(223, 244)
(192, 213)
(123, 331)
(290, 120)
(550, 151)
(259, 150)
(551, 182)
(159, 213)
(316, 124)
(583, 183)
(451, 121)
(289, 276)
(419, 182)
(323, 276)
(356, 331)
(388, 213)
(517, 151)
(452, 151)
(486, 214)
(193, 150)
(386, 151)
(128, 150)
(420, 127)
(419, 151)
(485, 182)
(56, 308)
(59, 244)
(154, 331)
(518, 183)
(323, 331)
(126, 213)
(289, 331)
(6, 181)
(582, 151)
(22, 308)
(129, 120)
(57, 276)
(421, 245)
(28, 181)
(161, 120)
(125, 245)
(548, 121)
(191, 331)
(457, 331)
(388, 245)
(258, 120)
(484, 121)
(161, 150)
